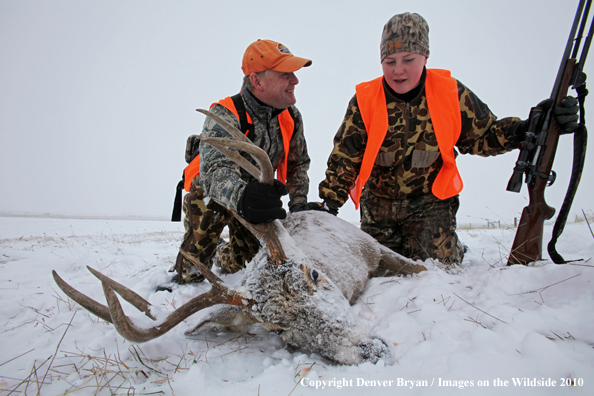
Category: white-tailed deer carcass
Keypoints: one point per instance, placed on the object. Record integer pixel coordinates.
(310, 268)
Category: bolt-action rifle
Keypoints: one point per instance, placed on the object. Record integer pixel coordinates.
(537, 152)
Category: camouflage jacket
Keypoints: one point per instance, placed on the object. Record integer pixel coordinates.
(409, 159)
(224, 181)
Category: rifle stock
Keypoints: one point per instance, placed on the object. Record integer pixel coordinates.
(527, 245)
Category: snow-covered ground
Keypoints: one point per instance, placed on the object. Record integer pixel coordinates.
(483, 329)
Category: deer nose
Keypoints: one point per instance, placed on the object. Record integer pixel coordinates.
(374, 349)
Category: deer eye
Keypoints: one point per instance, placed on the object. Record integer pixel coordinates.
(314, 275)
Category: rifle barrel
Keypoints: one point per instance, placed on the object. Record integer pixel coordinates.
(581, 30)
(568, 50)
(585, 49)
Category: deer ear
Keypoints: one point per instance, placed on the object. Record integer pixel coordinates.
(273, 327)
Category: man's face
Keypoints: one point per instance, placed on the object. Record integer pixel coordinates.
(276, 89)
(403, 70)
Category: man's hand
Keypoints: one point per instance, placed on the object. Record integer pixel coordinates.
(261, 203)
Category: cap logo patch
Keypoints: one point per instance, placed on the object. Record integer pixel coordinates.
(282, 49)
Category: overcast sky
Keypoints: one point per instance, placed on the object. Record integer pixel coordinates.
(97, 98)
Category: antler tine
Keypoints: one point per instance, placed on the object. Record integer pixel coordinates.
(86, 302)
(218, 294)
(236, 133)
(127, 294)
(208, 274)
(240, 142)
(97, 308)
(266, 234)
(221, 144)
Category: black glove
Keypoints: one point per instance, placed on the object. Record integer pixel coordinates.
(519, 129)
(566, 114)
(261, 203)
(322, 206)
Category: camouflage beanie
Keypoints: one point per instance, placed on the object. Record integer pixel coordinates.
(405, 33)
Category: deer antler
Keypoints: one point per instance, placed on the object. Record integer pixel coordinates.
(113, 313)
(265, 232)
(240, 142)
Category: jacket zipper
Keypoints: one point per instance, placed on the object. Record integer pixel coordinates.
(405, 115)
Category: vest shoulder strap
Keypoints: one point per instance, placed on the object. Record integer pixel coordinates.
(246, 127)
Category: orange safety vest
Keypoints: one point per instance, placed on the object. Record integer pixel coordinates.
(287, 125)
(441, 91)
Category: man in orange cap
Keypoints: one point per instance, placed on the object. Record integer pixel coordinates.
(264, 110)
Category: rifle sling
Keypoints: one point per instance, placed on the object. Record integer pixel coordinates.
(580, 140)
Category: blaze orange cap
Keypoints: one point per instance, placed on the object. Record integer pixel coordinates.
(264, 55)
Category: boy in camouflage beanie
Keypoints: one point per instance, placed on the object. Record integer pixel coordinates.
(387, 156)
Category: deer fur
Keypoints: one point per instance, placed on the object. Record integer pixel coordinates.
(306, 299)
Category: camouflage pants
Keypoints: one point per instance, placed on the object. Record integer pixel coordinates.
(419, 228)
(204, 222)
